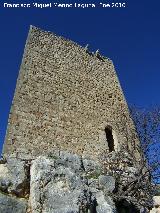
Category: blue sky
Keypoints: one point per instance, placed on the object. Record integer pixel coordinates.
(129, 36)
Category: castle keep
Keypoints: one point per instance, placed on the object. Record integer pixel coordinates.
(66, 98)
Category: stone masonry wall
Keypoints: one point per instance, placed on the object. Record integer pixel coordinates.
(64, 99)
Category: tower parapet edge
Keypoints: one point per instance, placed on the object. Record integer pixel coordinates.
(67, 98)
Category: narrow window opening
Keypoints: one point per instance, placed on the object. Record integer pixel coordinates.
(109, 138)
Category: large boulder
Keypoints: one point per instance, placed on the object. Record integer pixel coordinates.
(55, 190)
(58, 188)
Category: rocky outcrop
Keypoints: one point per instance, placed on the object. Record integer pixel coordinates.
(60, 183)
(62, 186)
(55, 184)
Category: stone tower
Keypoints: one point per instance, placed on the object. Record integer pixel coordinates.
(66, 98)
